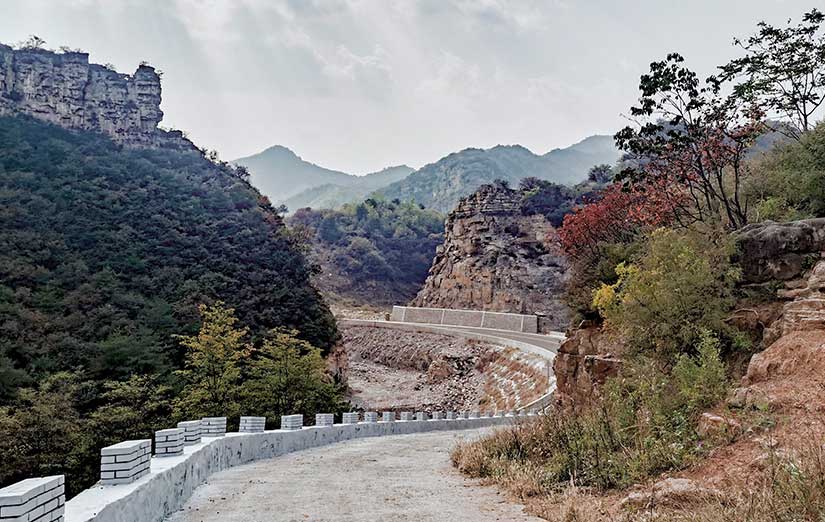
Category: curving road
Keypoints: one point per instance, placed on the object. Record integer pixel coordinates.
(397, 478)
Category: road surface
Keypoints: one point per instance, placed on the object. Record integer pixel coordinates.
(396, 478)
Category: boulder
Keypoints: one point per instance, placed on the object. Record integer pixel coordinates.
(711, 425)
(778, 251)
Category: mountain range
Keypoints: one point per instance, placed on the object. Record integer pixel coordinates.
(286, 178)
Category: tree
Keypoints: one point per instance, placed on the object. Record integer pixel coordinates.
(616, 215)
(681, 286)
(288, 376)
(601, 174)
(783, 70)
(689, 138)
(212, 368)
(33, 42)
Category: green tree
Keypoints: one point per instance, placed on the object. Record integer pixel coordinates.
(41, 434)
(681, 285)
(212, 367)
(783, 70)
(287, 376)
(131, 409)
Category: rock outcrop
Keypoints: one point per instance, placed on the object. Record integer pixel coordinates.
(779, 251)
(584, 362)
(496, 258)
(67, 90)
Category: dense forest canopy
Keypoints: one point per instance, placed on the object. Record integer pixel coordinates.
(106, 252)
(375, 252)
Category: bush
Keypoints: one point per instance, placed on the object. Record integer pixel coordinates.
(788, 182)
(681, 285)
(701, 379)
(644, 425)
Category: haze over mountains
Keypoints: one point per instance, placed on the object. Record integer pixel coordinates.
(287, 178)
(283, 175)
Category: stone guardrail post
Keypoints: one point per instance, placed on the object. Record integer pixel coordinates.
(34, 499)
(370, 416)
(473, 415)
(252, 425)
(500, 414)
(169, 442)
(421, 416)
(125, 462)
(213, 426)
(450, 415)
(388, 416)
(324, 419)
(292, 422)
(350, 418)
(406, 415)
(191, 432)
(437, 415)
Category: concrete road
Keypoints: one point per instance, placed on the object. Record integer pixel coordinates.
(397, 478)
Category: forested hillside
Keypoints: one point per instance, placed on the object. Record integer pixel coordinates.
(442, 184)
(375, 252)
(106, 254)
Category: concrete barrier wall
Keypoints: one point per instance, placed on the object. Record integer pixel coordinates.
(172, 480)
(472, 318)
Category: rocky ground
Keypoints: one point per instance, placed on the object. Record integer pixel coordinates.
(391, 370)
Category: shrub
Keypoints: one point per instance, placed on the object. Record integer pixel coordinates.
(788, 182)
(701, 379)
(681, 284)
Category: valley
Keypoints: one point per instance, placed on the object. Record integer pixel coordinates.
(628, 329)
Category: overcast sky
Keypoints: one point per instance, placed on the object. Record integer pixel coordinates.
(357, 85)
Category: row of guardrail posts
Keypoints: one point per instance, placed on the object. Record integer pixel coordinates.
(43, 499)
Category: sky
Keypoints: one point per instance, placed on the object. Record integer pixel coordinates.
(358, 85)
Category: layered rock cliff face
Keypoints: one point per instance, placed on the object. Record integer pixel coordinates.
(496, 258)
(67, 90)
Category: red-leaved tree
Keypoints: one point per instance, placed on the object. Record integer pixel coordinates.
(619, 214)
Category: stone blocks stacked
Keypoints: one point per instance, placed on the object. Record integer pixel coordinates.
(421, 416)
(370, 416)
(350, 418)
(324, 419)
(35, 499)
(252, 425)
(388, 416)
(125, 462)
(437, 415)
(451, 415)
(213, 426)
(406, 415)
(292, 422)
(169, 443)
(191, 432)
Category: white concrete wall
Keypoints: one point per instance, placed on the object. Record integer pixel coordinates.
(473, 318)
(172, 480)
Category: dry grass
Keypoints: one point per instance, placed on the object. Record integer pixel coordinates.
(791, 489)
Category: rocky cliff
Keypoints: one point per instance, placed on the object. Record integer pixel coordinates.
(784, 260)
(496, 257)
(67, 90)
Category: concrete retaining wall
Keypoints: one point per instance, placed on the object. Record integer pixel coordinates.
(472, 318)
(172, 480)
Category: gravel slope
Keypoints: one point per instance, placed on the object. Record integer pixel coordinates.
(399, 478)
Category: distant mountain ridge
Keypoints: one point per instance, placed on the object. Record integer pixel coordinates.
(333, 196)
(287, 178)
(281, 174)
(442, 184)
